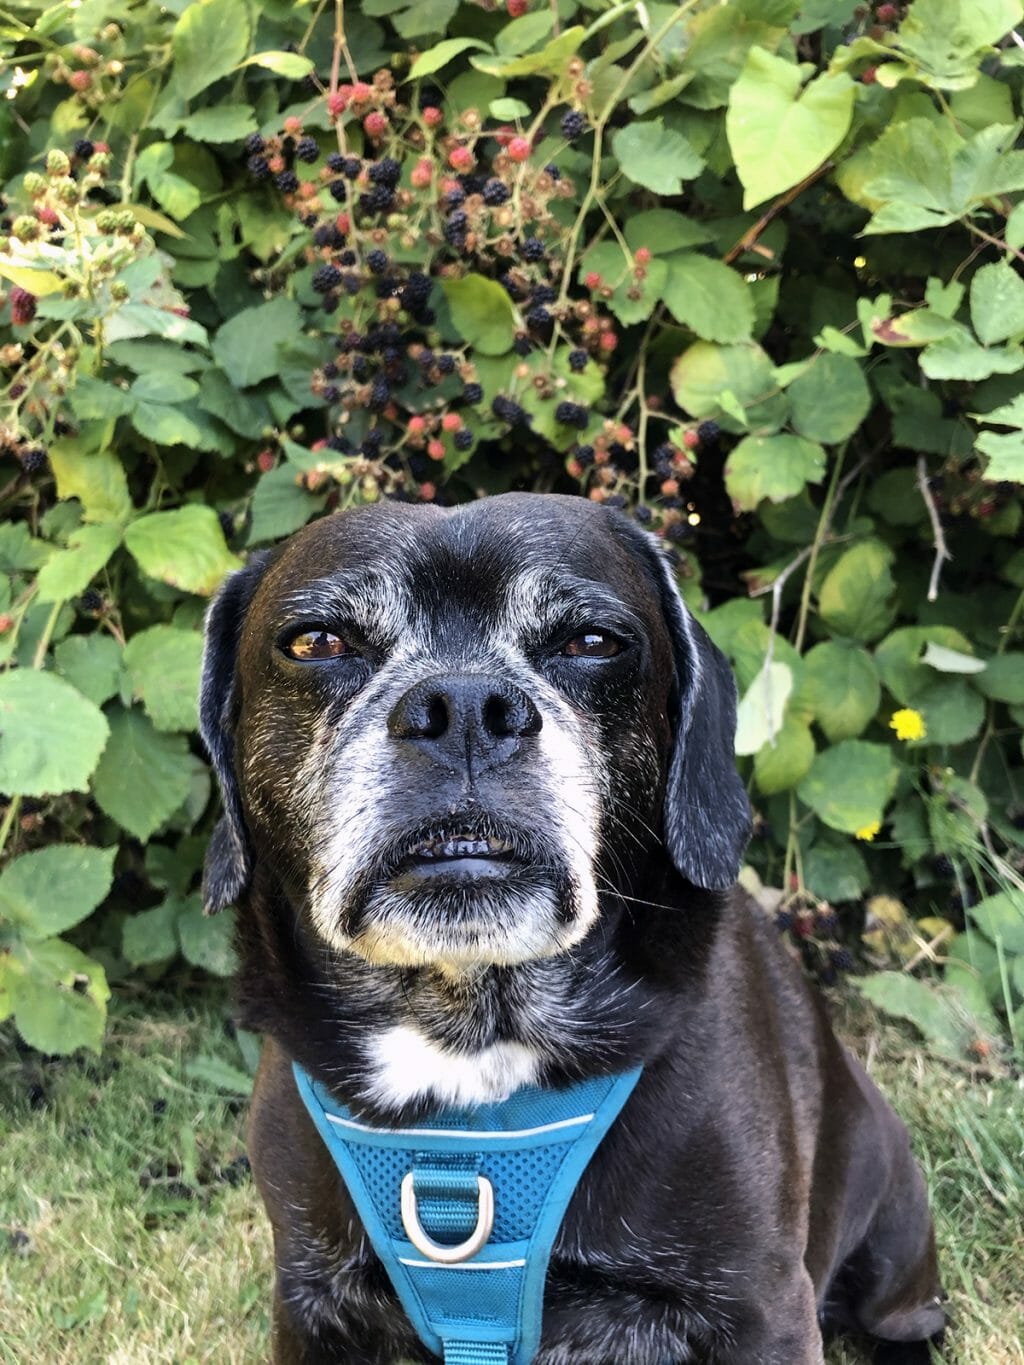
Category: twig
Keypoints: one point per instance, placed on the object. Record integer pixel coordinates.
(992, 241)
(751, 235)
(927, 950)
(941, 549)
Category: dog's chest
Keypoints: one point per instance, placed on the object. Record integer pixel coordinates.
(404, 1065)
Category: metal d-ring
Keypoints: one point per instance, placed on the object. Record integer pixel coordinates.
(448, 1255)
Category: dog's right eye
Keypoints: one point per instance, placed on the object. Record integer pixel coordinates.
(316, 644)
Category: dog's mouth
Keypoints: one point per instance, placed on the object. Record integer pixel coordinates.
(458, 852)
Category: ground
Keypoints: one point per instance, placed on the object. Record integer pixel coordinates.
(132, 1234)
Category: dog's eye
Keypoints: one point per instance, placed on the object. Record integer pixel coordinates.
(592, 645)
(316, 644)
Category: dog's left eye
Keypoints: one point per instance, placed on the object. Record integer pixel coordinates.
(316, 644)
(593, 644)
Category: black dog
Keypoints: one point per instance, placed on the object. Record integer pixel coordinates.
(481, 824)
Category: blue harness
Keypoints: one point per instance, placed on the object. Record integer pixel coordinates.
(464, 1208)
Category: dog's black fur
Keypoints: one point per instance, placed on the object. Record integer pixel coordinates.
(757, 1187)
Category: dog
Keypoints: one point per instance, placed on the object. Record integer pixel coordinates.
(482, 825)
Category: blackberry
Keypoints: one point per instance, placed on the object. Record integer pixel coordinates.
(455, 198)
(227, 524)
(543, 294)
(377, 261)
(416, 291)
(307, 149)
(537, 318)
(90, 602)
(327, 235)
(616, 500)
(309, 220)
(330, 370)
(340, 444)
(336, 162)
(351, 284)
(572, 414)
(380, 393)
(509, 412)
(386, 171)
(455, 228)
(258, 167)
(84, 149)
(532, 249)
(361, 369)
(350, 167)
(387, 286)
(33, 460)
(553, 171)
(841, 959)
(578, 360)
(325, 278)
(708, 432)
(372, 442)
(574, 125)
(463, 440)
(347, 258)
(377, 199)
(338, 191)
(522, 345)
(679, 532)
(287, 182)
(642, 515)
(473, 393)
(783, 921)
(330, 303)
(426, 358)
(585, 455)
(446, 364)
(943, 867)
(496, 193)
(331, 393)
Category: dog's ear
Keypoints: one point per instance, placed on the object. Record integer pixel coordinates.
(228, 862)
(707, 818)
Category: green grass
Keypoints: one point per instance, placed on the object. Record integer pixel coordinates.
(123, 1241)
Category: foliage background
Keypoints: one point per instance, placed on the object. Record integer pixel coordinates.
(750, 270)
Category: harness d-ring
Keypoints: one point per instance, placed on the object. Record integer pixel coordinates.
(448, 1255)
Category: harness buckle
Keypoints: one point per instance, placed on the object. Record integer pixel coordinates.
(435, 1251)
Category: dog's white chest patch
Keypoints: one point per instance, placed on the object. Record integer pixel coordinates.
(405, 1065)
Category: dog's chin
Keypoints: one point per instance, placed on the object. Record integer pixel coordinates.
(468, 917)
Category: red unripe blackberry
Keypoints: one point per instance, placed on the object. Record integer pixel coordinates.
(642, 255)
(461, 159)
(432, 116)
(338, 102)
(593, 280)
(690, 439)
(435, 449)
(6, 621)
(422, 173)
(517, 8)
(428, 491)
(451, 421)
(608, 341)
(80, 80)
(869, 76)
(361, 92)
(519, 148)
(293, 125)
(23, 306)
(417, 426)
(886, 14)
(375, 124)
(265, 461)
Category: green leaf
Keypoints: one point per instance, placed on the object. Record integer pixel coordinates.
(830, 399)
(849, 784)
(508, 109)
(144, 776)
(90, 663)
(246, 345)
(290, 66)
(245, 413)
(835, 869)
(166, 425)
(50, 735)
(482, 313)
(1003, 678)
(899, 659)
(761, 708)
(774, 467)
(656, 157)
(615, 267)
(663, 231)
(220, 123)
(281, 505)
(705, 372)
(1001, 919)
(97, 480)
(524, 34)
(209, 41)
(163, 386)
(50, 889)
(163, 664)
(855, 598)
(780, 766)
(840, 686)
(438, 56)
(93, 400)
(997, 302)
(549, 61)
(953, 711)
(19, 549)
(945, 660)
(60, 1001)
(779, 134)
(221, 1075)
(709, 298)
(945, 40)
(151, 935)
(69, 572)
(933, 1014)
(1005, 455)
(184, 548)
(207, 941)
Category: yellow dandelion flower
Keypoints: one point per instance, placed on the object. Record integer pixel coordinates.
(908, 724)
(868, 832)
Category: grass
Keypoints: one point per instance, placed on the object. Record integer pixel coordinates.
(130, 1232)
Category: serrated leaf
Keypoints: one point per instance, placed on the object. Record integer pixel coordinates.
(163, 386)
(1001, 919)
(60, 1003)
(761, 708)
(144, 776)
(50, 735)
(281, 505)
(151, 935)
(50, 889)
(835, 870)
(840, 686)
(290, 66)
(780, 765)
(208, 42)
(849, 784)
(482, 312)
(705, 372)
(437, 57)
(67, 573)
(1003, 678)
(997, 302)
(220, 123)
(656, 157)
(246, 346)
(855, 598)
(1005, 455)
(549, 61)
(830, 399)
(933, 1014)
(184, 548)
(97, 480)
(91, 663)
(166, 425)
(163, 665)
(663, 231)
(778, 133)
(709, 298)
(207, 941)
(774, 467)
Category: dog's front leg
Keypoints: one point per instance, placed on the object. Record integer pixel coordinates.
(784, 1332)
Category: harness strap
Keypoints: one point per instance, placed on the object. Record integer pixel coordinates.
(464, 1208)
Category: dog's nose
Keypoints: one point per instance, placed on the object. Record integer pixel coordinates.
(465, 718)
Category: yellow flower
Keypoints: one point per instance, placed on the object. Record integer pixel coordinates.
(868, 832)
(908, 724)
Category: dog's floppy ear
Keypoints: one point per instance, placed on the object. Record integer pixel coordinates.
(229, 855)
(707, 819)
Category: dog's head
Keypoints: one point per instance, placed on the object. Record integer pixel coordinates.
(448, 732)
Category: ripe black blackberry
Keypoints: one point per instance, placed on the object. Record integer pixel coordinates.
(258, 167)
(708, 432)
(553, 171)
(574, 125)
(496, 193)
(473, 393)
(90, 602)
(455, 197)
(84, 149)
(377, 199)
(372, 442)
(543, 293)
(426, 358)
(331, 393)
(642, 514)
(325, 278)
(585, 455)
(33, 460)
(338, 191)
(361, 369)
(663, 460)
(943, 867)
(532, 249)
(307, 149)
(350, 167)
(377, 261)
(254, 144)
(538, 318)
(679, 532)
(330, 370)
(572, 414)
(340, 444)
(455, 228)
(446, 364)
(841, 959)
(578, 360)
(336, 162)
(463, 440)
(380, 393)
(509, 412)
(616, 500)
(347, 258)
(287, 182)
(416, 290)
(522, 345)
(386, 171)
